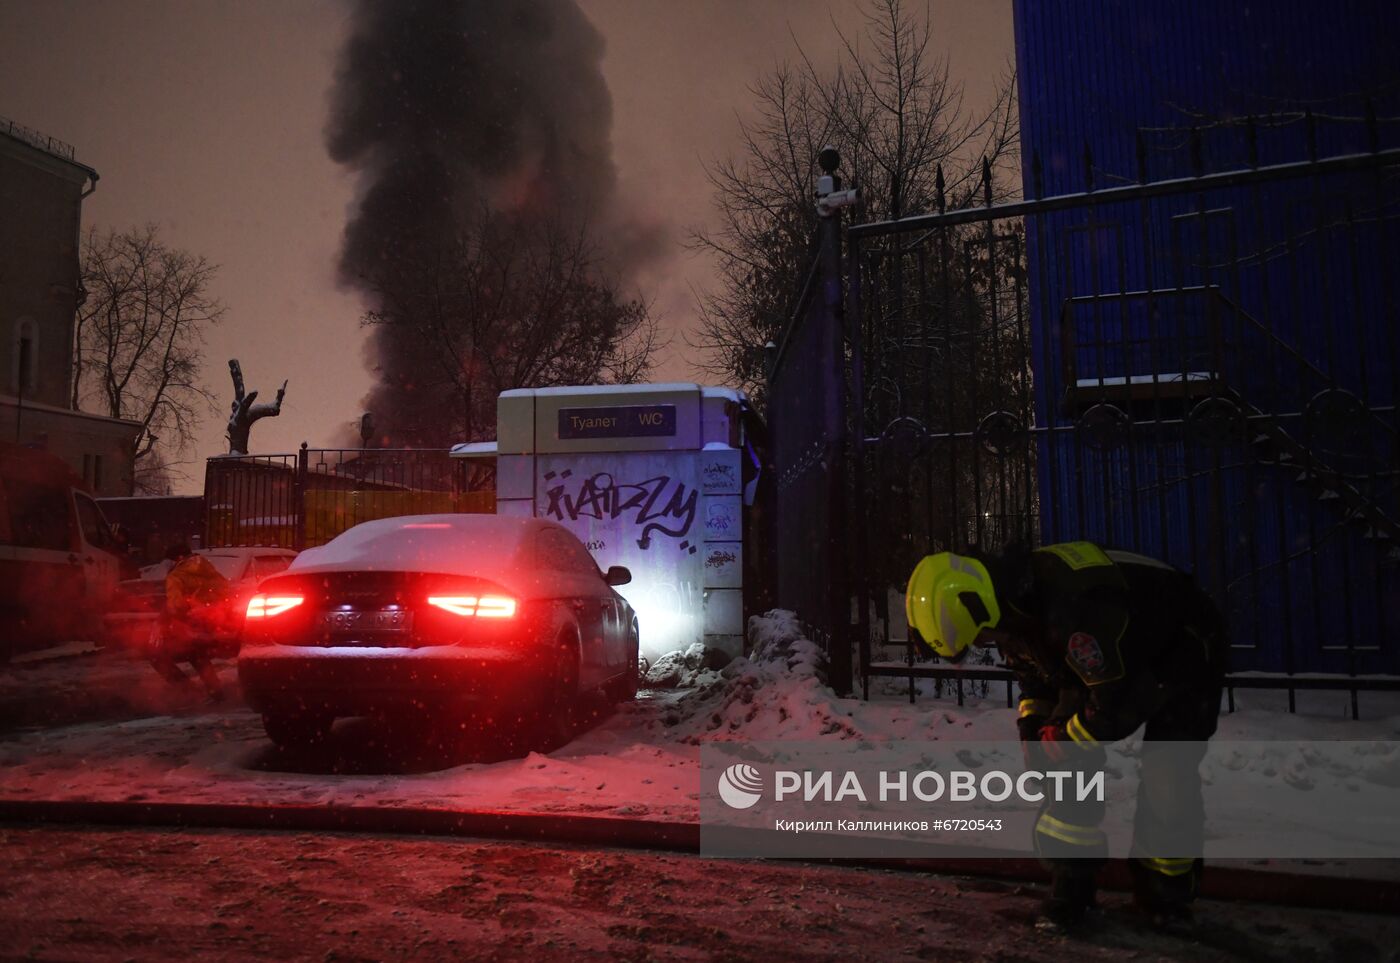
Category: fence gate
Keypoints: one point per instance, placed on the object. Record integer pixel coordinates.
(1200, 369)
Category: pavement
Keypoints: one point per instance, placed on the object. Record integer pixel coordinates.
(85, 894)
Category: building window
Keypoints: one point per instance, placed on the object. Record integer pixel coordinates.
(23, 377)
(92, 471)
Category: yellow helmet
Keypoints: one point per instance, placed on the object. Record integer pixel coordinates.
(949, 600)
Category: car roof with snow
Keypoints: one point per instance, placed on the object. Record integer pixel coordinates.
(495, 547)
(247, 550)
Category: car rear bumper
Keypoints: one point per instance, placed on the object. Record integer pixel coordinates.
(350, 680)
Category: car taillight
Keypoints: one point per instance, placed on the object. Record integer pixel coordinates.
(485, 606)
(266, 606)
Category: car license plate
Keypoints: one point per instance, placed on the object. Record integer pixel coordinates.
(367, 620)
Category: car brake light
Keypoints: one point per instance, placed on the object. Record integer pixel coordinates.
(486, 607)
(495, 607)
(266, 606)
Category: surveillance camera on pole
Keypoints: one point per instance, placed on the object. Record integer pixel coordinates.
(830, 197)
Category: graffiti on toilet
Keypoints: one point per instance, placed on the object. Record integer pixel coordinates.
(657, 505)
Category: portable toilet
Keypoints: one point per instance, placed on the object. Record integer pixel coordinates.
(647, 476)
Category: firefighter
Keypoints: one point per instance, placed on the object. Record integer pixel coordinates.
(1101, 643)
(196, 607)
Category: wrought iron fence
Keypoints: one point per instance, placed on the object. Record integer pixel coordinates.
(306, 498)
(1201, 369)
(36, 139)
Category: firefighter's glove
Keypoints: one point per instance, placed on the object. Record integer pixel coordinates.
(1054, 742)
(1028, 727)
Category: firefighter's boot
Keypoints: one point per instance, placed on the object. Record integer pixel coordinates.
(1163, 890)
(1073, 893)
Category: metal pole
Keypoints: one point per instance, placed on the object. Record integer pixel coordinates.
(830, 200)
(299, 499)
(833, 419)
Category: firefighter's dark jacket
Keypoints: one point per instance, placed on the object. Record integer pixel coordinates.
(1101, 640)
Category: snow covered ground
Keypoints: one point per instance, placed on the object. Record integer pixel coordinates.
(99, 726)
(168, 745)
(104, 727)
(222, 755)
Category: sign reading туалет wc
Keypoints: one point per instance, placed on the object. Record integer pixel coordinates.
(621, 421)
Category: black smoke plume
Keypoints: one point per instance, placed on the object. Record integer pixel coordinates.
(446, 109)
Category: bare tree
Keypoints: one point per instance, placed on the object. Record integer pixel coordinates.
(507, 302)
(152, 476)
(896, 117)
(139, 343)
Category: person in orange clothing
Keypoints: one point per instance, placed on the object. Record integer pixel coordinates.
(196, 610)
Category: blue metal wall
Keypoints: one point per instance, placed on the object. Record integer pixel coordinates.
(1096, 71)
(1115, 92)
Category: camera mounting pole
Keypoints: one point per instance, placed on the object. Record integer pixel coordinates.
(830, 197)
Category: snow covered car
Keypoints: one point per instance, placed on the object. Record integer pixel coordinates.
(136, 607)
(438, 611)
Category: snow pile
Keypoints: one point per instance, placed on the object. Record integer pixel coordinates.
(687, 668)
(780, 692)
(776, 637)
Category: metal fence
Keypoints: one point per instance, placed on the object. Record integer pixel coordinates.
(306, 498)
(36, 139)
(1201, 369)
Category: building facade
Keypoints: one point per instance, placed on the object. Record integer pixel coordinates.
(42, 188)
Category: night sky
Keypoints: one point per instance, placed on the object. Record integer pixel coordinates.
(208, 119)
